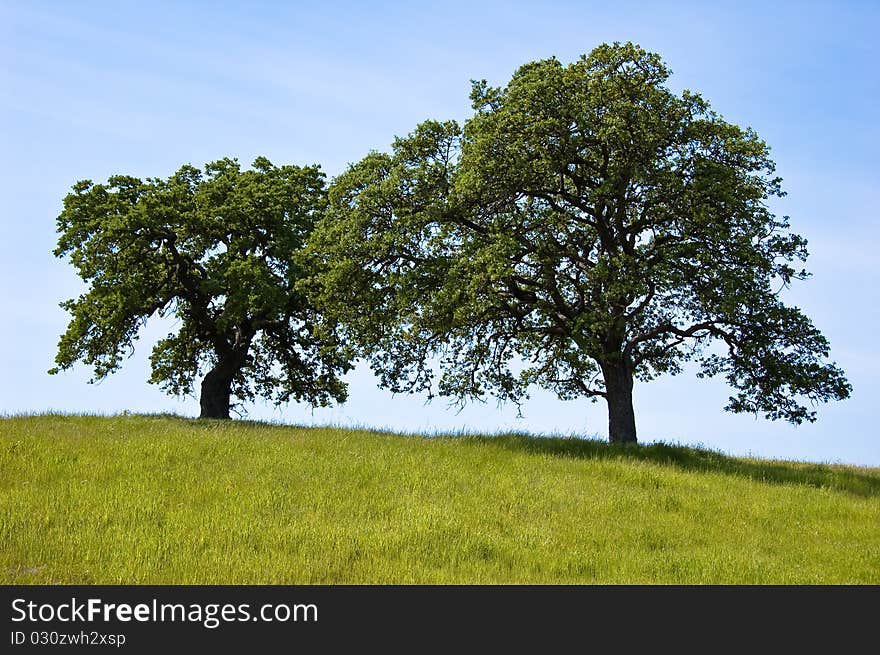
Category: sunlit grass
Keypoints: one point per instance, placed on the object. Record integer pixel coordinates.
(152, 499)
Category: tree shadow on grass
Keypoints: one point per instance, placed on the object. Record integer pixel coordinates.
(848, 479)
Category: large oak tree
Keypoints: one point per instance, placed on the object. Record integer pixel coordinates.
(219, 250)
(584, 228)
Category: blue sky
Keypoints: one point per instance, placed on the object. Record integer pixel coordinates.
(92, 89)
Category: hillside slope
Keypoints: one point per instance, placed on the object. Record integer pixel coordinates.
(152, 499)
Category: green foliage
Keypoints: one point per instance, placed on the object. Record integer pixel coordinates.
(159, 500)
(585, 221)
(218, 250)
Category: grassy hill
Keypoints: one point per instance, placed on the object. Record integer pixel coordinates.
(152, 499)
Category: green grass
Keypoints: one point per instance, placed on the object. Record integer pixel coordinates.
(153, 499)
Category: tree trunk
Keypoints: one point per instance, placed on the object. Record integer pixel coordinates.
(216, 390)
(618, 393)
(217, 385)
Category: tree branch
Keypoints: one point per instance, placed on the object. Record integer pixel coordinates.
(669, 328)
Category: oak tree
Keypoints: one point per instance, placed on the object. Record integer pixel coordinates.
(218, 250)
(585, 228)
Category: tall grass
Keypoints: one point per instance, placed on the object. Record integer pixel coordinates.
(153, 499)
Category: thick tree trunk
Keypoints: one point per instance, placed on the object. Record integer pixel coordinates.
(618, 393)
(217, 385)
(216, 390)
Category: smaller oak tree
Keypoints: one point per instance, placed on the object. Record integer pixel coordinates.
(219, 251)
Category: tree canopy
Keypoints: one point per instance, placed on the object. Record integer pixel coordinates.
(586, 227)
(219, 250)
